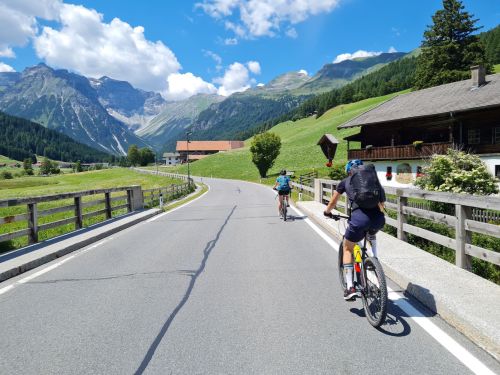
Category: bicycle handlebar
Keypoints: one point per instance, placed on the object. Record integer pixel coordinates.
(335, 217)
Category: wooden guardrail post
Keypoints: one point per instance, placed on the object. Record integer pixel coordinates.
(129, 200)
(107, 198)
(318, 190)
(78, 213)
(402, 201)
(462, 236)
(32, 223)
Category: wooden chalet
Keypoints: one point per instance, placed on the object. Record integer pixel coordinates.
(411, 127)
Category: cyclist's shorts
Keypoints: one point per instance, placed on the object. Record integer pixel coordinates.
(363, 221)
(283, 192)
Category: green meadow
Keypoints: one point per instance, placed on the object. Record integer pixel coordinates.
(299, 150)
(74, 182)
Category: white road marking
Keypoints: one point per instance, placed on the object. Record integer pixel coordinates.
(462, 354)
(175, 209)
(6, 289)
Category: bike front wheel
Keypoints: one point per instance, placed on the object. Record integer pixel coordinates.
(374, 293)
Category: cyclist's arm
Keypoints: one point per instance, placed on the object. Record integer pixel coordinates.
(333, 202)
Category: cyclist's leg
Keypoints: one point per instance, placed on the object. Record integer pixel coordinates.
(358, 224)
(280, 202)
(377, 222)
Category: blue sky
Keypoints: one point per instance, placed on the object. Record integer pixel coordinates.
(183, 47)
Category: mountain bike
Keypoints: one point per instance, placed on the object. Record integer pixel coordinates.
(284, 204)
(369, 280)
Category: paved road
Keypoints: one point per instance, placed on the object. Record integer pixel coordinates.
(221, 286)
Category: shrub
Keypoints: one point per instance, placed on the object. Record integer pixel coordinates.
(6, 175)
(337, 172)
(457, 172)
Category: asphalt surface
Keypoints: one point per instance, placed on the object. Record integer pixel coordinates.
(220, 286)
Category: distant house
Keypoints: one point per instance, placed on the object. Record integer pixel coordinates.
(398, 135)
(171, 158)
(199, 149)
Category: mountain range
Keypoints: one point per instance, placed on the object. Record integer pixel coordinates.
(110, 115)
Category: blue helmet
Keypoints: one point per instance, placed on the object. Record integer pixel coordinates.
(352, 163)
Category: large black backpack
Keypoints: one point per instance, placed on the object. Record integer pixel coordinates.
(363, 187)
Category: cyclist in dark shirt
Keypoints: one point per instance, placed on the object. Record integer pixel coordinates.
(362, 220)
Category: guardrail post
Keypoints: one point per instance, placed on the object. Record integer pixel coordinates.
(107, 198)
(33, 223)
(402, 201)
(78, 213)
(318, 190)
(462, 236)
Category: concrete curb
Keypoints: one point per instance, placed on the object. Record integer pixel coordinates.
(56, 248)
(445, 289)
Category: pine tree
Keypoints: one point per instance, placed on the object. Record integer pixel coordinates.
(449, 48)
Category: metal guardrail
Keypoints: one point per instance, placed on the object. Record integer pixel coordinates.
(462, 221)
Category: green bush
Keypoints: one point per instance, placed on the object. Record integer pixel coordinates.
(457, 172)
(6, 175)
(337, 172)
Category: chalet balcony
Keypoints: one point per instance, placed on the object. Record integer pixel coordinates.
(399, 152)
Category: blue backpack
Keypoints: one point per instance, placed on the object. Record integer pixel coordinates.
(283, 183)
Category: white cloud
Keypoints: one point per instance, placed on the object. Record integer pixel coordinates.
(182, 86)
(254, 67)
(303, 71)
(260, 84)
(215, 57)
(230, 41)
(357, 54)
(392, 50)
(19, 24)
(237, 78)
(6, 68)
(94, 48)
(264, 17)
(292, 33)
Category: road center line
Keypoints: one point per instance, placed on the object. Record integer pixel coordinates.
(462, 354)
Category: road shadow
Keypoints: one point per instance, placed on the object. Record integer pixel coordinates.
(395, 323)
(193, 274)
(426, 304)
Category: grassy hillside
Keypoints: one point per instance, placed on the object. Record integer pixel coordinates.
(299, 151)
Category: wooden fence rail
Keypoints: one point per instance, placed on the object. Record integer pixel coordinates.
(107, 202)
(466, 219)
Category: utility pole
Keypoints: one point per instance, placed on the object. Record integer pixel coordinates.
(187, 156)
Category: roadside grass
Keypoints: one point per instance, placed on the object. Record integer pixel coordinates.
(299, 151)
(496, 68)
(204, 189)
(37, 186)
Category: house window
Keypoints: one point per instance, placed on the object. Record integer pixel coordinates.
(496, 138)
(474, 136)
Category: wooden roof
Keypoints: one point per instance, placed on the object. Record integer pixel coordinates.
(452, 98)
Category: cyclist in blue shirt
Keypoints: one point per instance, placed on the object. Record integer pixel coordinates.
(283, 187)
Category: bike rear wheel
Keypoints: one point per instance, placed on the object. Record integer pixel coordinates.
(341, 266)
(374, 292)
(284, 202)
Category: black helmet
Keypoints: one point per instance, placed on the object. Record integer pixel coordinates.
(283, 172)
